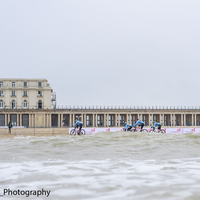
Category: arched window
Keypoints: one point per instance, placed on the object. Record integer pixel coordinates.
(25, 104)
(13, 103)
(39, 104)
(1, 103)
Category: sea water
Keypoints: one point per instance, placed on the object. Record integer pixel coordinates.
(100, 166)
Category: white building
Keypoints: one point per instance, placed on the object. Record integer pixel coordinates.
(25, 94)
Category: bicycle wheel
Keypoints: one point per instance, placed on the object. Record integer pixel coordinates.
(144, 130)
(72, 132)
(82, 132)
(163, 131)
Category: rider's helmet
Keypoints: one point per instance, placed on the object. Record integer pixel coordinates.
(125, 123)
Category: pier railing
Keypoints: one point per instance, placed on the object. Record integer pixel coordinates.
(129, 107)
(110, 108)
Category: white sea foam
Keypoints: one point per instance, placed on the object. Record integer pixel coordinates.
(104, 166)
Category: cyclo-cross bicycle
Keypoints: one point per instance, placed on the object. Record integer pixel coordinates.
(76, 131)
(155, 130)
(134, 129)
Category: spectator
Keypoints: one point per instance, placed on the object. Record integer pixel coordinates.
(10, 126)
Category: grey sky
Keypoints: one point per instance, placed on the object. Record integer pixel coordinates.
(105, 52)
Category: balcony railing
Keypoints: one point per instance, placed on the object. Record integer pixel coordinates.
(121, 108)
(130, 107)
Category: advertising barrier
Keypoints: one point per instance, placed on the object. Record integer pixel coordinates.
(168, 130)
(97, 130)
(183, 130)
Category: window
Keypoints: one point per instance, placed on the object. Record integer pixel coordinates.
(111, 120)
(1, 93)
(25, 94)
(39, 104)
(39, 84)
(39, 93)
(1, 83)
(25, 104)
(1, 103)
(13, 104)
(25, 120)
(88, 120)
(122, 120)
(100, 120)
(25, 84)
(13, 94)
(13, 119)
(13, 84)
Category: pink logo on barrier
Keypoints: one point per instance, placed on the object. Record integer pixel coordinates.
(108, 129)
(93, 129)
(149, 129)
(122, 129)
(165, 129)
(193, 129)
(179, 130)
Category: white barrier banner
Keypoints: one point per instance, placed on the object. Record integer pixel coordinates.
(183, 130)
(174, 130)
(97, 130)
(168, 130)
(191, 130)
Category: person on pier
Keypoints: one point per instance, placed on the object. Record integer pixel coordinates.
(10, 126)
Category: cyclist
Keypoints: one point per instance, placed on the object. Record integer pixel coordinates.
(139, 123)
(156, 124)
(78, 124)
(127, 127)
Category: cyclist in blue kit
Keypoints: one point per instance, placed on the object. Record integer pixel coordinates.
(139, 123)
(127, 127)
(78, 124)
(156, 124)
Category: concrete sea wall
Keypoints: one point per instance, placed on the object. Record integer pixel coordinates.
(34, 131)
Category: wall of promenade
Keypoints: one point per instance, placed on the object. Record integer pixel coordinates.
(33, 131)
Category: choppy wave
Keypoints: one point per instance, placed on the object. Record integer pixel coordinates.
(104, 165)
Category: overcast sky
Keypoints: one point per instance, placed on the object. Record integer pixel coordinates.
(105, 52)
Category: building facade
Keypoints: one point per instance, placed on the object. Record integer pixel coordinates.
(32, 103)
(25, 94)
(98, 117)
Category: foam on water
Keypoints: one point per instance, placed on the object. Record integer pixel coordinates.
(104, 166)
